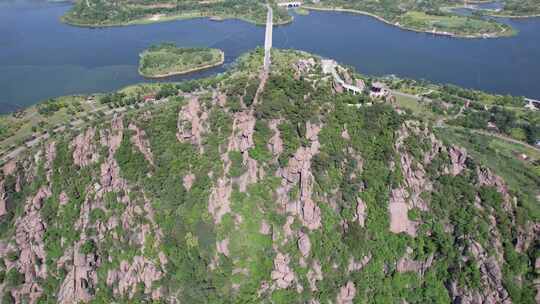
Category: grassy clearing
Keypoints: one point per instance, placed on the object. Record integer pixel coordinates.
(415, 106)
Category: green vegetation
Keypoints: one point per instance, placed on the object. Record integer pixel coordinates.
(520, 8)
(424, 16)
(121, 208)
(461, 26)
(124, 12)
(166, 60)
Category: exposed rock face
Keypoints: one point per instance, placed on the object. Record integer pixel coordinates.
(50, 155)
(188, 181)
(141, 142)
(537, 281)
(415, 180)
(314, 274)
(275, 144)
(242, 140)
(81, 277)
(487, 178)
(219, 202)
(10, 167)
(191, 123)
(406, 264)
(304, 245)
(399, 220)
(84, 149)
(345, 134)
(282, 275)
(358, 265)
(110, 171)
(527, 236)
(129, 275)
(266, 229)
(243, 128)
(458, 157)
(299, 171)
(360, 214)
(346, 294)
(492, 290)
(29, 234)
(3, 198)
(223, 247)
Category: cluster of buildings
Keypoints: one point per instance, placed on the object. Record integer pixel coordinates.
(377, 90)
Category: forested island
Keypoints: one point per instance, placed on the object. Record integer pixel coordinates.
(167, 60)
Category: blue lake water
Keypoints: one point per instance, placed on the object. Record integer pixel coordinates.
(41, 58)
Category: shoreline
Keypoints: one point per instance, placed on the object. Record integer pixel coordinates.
(500, 34)
(191, 70)
(167, 18)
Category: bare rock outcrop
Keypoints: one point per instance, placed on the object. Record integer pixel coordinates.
(188, 181)
(487, 178)
(346, 294)
(265, 229)
(358, 265)
(314, 274)
(110, 171)
(282, 275)
(29, 234)
(81, 277)
(492, 289)
(50, 155)
(275, 144)
(458, 156)
(527, 235)
(130, 275)
(3, 198)
(191, 121)
(141, 142)
(10, 167)
(219, 202)
(223, 247)
(84, 149)
(243, 129)
(298, 171)
(360, 213)
(407, 264)
(399, 219)
(304, 245)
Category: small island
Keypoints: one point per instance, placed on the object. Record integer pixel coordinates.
(166, 60)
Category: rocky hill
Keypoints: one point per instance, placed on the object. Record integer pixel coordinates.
(249, 188)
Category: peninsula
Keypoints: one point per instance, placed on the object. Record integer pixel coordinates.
(166, 60)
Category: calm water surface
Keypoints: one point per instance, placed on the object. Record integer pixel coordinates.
(41, 57)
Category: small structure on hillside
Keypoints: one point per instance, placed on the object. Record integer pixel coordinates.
(149, 98)
(289, 4)
(378, 90)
